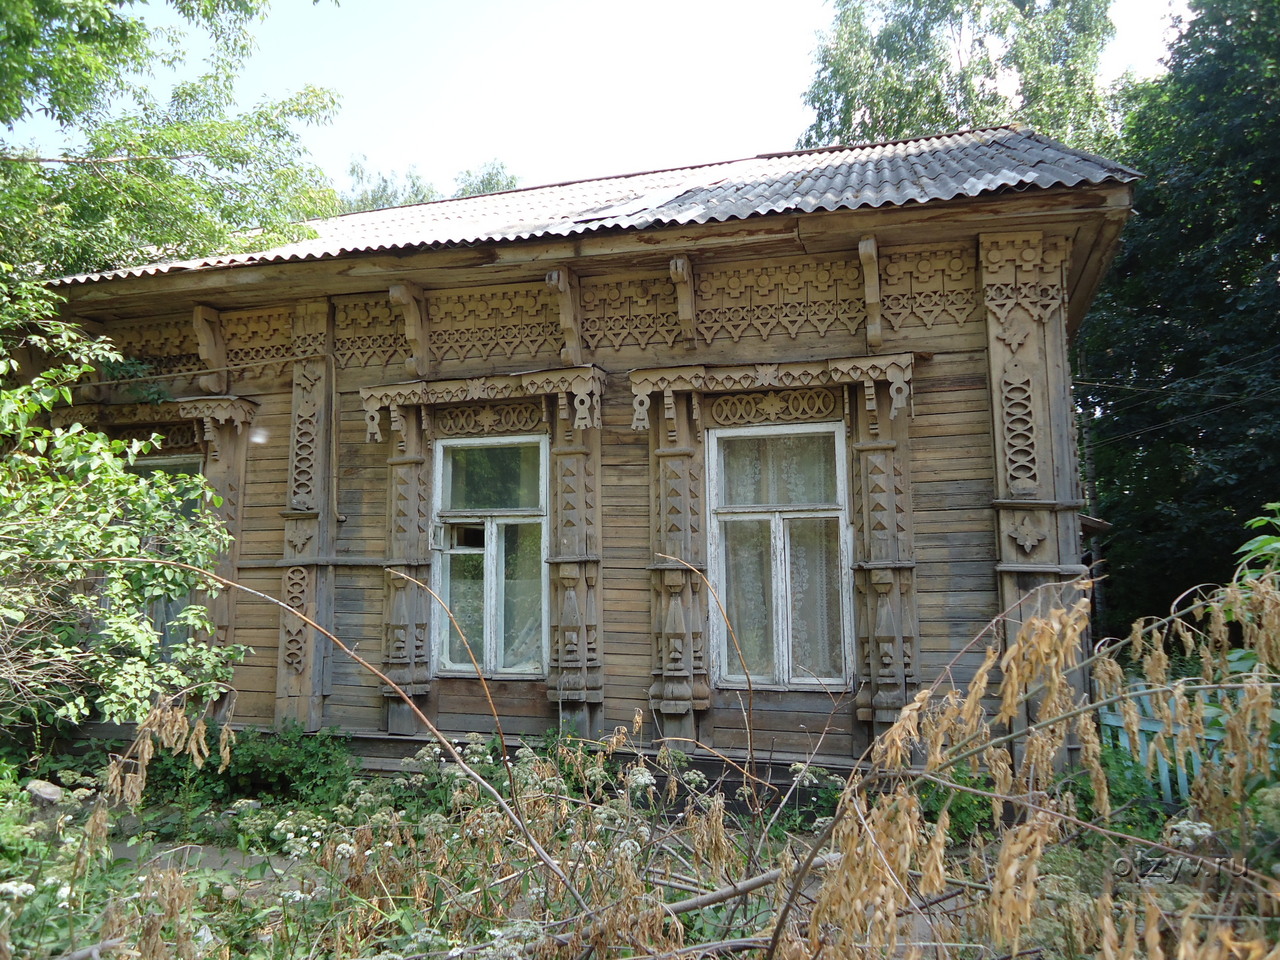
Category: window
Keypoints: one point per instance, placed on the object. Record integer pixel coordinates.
(165, 610)
(491, 531)
(778, 552)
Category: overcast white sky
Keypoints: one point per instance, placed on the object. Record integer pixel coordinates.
(570, 89)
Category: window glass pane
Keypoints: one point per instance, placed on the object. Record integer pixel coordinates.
(814, 596)
(748, 597)
(522, 568)
(464, 594)
(778, 469)
(493, 478)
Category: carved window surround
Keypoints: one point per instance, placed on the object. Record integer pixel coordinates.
(578, 391)
(895, 370)
(207, 413)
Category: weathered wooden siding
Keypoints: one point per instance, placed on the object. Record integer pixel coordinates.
(955, 454)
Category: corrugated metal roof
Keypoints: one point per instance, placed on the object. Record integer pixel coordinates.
(944, 167)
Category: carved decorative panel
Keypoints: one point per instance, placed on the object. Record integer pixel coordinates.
(629, 313)
(929, 286)
(577, 392)
(259, 342)
(368, 333)
(696, 378)
(490, 418)
(166, 346)
(774, 406)
(811, 298)
(178, 420)
(295, 591)
(1019, 429)
(506, 322)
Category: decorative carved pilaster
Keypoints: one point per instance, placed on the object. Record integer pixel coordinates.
(407, 606)
(680, 686)
(576, 676)
(1037, 495)
(304, 658)
(884, 564)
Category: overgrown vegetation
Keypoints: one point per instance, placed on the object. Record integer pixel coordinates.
(961, 833)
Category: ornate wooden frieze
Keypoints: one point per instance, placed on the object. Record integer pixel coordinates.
(309, 519)
(367, 333)
(577, 391)
(774, 406)
(809, 298)
(628, 313)
(490, 419)
(178, 420)
(929, 286)
(680, 686)
(884, 566)
(259, 343)
(576, 676)
(894, 369)
(168, 347)
(492, 322)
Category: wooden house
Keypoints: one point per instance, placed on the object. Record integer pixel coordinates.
(821, 397)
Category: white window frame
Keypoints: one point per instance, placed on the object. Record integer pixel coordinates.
(728, 671)
(487, 650)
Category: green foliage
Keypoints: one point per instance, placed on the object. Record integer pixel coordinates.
(377, 191)
(1262, 553)
(970, 813)
(142, 176)
(892, 69)
(492, 177)
(1136, 807)
(1179, 363)
(287, 765)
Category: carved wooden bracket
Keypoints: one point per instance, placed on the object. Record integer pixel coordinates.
(895, 369)
(417, 327)
(564, 283)
(871, 290)
(682, 276)
(213, 349)
(578, 391)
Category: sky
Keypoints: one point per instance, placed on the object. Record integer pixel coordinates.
(564, 90)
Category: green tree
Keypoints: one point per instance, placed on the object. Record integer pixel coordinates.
(377, 191)
(1179, 365)
(492, 177)
(141, 177)
(892, 69)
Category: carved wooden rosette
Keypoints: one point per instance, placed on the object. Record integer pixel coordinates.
(1037, 489)
(563, 401)
(304, 657)
(880, 388)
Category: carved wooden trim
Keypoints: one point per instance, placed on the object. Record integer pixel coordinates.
(617, 314)
(929, 285)
(259, 342)
(894, 369)
(682, 277)
(417, 326)
(774, 406)
(564, 284)
(213, 350)
(577, 391)
(304, 662)
(483, 323)
(868, 255)
(207, 414)
(489, 419)
(809, 298)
